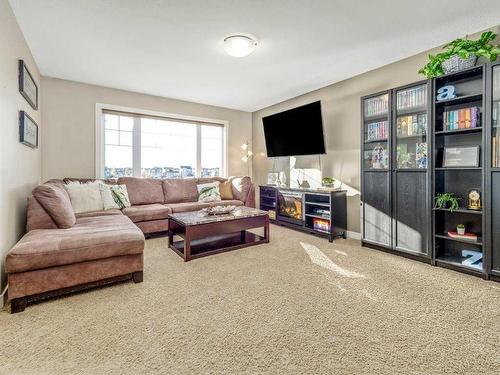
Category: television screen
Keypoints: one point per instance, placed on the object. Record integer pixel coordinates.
(298, 131)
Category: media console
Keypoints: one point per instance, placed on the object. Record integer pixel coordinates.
(321, 212)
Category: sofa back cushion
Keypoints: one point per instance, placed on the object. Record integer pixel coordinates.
(143, 190)
(241, 187)
(178, 190)
(55, 200)
(37, 217)
(108, 181)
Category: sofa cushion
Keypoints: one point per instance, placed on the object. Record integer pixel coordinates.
(37, 217)
(55, 200)
(177, 190)
(241, 187)
(99, 213)
(147, 212)
(187, 206)
(89, 239)
(228, 202)
(143, 190)
(209, 192)
(108, 181)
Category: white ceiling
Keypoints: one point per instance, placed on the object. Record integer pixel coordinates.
(174, 48)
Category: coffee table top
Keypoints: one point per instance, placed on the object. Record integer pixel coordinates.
(199, 217)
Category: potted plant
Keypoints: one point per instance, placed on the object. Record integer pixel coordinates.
(328, 181)
(461, 229)
(461, 54)
(446, 201)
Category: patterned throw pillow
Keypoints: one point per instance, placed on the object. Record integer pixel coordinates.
(109, 199)
(121, 194)
(208, 192)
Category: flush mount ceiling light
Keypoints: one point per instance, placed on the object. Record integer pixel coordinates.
(239, 45)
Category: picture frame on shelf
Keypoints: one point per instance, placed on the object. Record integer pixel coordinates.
(28, 130)
(27, 85)
(463, 156)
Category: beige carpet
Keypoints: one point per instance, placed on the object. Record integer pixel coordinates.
(282, 308)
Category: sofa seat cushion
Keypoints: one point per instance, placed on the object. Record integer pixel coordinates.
(228, 202)
(147, 212)
(113, 211)
(90, 238)
(187, 206)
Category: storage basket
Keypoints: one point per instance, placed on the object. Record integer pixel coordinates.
(456, 63)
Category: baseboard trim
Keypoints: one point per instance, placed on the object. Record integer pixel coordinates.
(354, 235)
(3, 297)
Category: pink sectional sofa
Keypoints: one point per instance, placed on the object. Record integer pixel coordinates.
(63, 252)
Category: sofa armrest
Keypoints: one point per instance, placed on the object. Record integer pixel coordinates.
(250, 198)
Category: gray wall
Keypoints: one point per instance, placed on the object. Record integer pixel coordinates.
(20, 165)
(342, 124)
(69, 114)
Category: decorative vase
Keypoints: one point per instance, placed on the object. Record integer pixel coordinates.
(456, 63)
(461, 231)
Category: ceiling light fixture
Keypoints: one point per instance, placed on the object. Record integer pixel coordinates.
(239, 45)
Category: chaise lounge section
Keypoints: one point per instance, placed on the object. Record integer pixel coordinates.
(64, 252)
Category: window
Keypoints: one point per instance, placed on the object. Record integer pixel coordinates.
(160, 147)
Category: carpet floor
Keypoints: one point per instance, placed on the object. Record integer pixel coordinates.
(298, 305)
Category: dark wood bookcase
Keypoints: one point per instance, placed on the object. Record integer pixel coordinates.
(448, 251)
(395, 191)
(397, 195)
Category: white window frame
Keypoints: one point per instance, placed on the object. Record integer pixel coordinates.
(99, 134)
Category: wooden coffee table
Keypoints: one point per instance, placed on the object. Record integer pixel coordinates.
(204, 235)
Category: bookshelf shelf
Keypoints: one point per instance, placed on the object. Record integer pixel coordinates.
(461, 99)
(376, 117)
(459, 211)
(458, 131)
(376, 140)
(445, 236)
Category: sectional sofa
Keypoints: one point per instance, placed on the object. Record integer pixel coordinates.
(63, 252)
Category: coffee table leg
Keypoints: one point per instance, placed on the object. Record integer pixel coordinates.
(266, 229)
(187, 245)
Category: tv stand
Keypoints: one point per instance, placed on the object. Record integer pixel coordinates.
(315, 211)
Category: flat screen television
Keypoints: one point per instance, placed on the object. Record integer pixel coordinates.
(298, 131)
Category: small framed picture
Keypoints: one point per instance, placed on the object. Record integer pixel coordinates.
(272, 178)
(27, 85)
(28, 130)
(456, 157)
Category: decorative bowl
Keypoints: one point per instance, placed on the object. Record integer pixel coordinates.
(219, 210)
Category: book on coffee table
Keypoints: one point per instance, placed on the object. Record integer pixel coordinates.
(465, 236)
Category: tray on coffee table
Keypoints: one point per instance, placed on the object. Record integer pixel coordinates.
(204, 234)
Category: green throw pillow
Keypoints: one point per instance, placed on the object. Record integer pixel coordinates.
(208, 192)
(120, 195)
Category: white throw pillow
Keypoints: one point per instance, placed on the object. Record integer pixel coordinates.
(109, 200)
(85, 197)
(209, 192)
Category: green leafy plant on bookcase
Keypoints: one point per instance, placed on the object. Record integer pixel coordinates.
(463, 48)
(446, 201)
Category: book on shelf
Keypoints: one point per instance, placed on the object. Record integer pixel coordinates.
(411, 125)
(378, 105)
(464, 118)
(465, 236)
(414, 97)
(377, 131)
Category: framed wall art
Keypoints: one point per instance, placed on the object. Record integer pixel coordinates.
(28, 130)
(27, 85)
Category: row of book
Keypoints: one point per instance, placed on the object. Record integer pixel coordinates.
(495, 151)
(376, 106)
(414, 97)
(412, 125)
(377, 130)
(464, 118)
